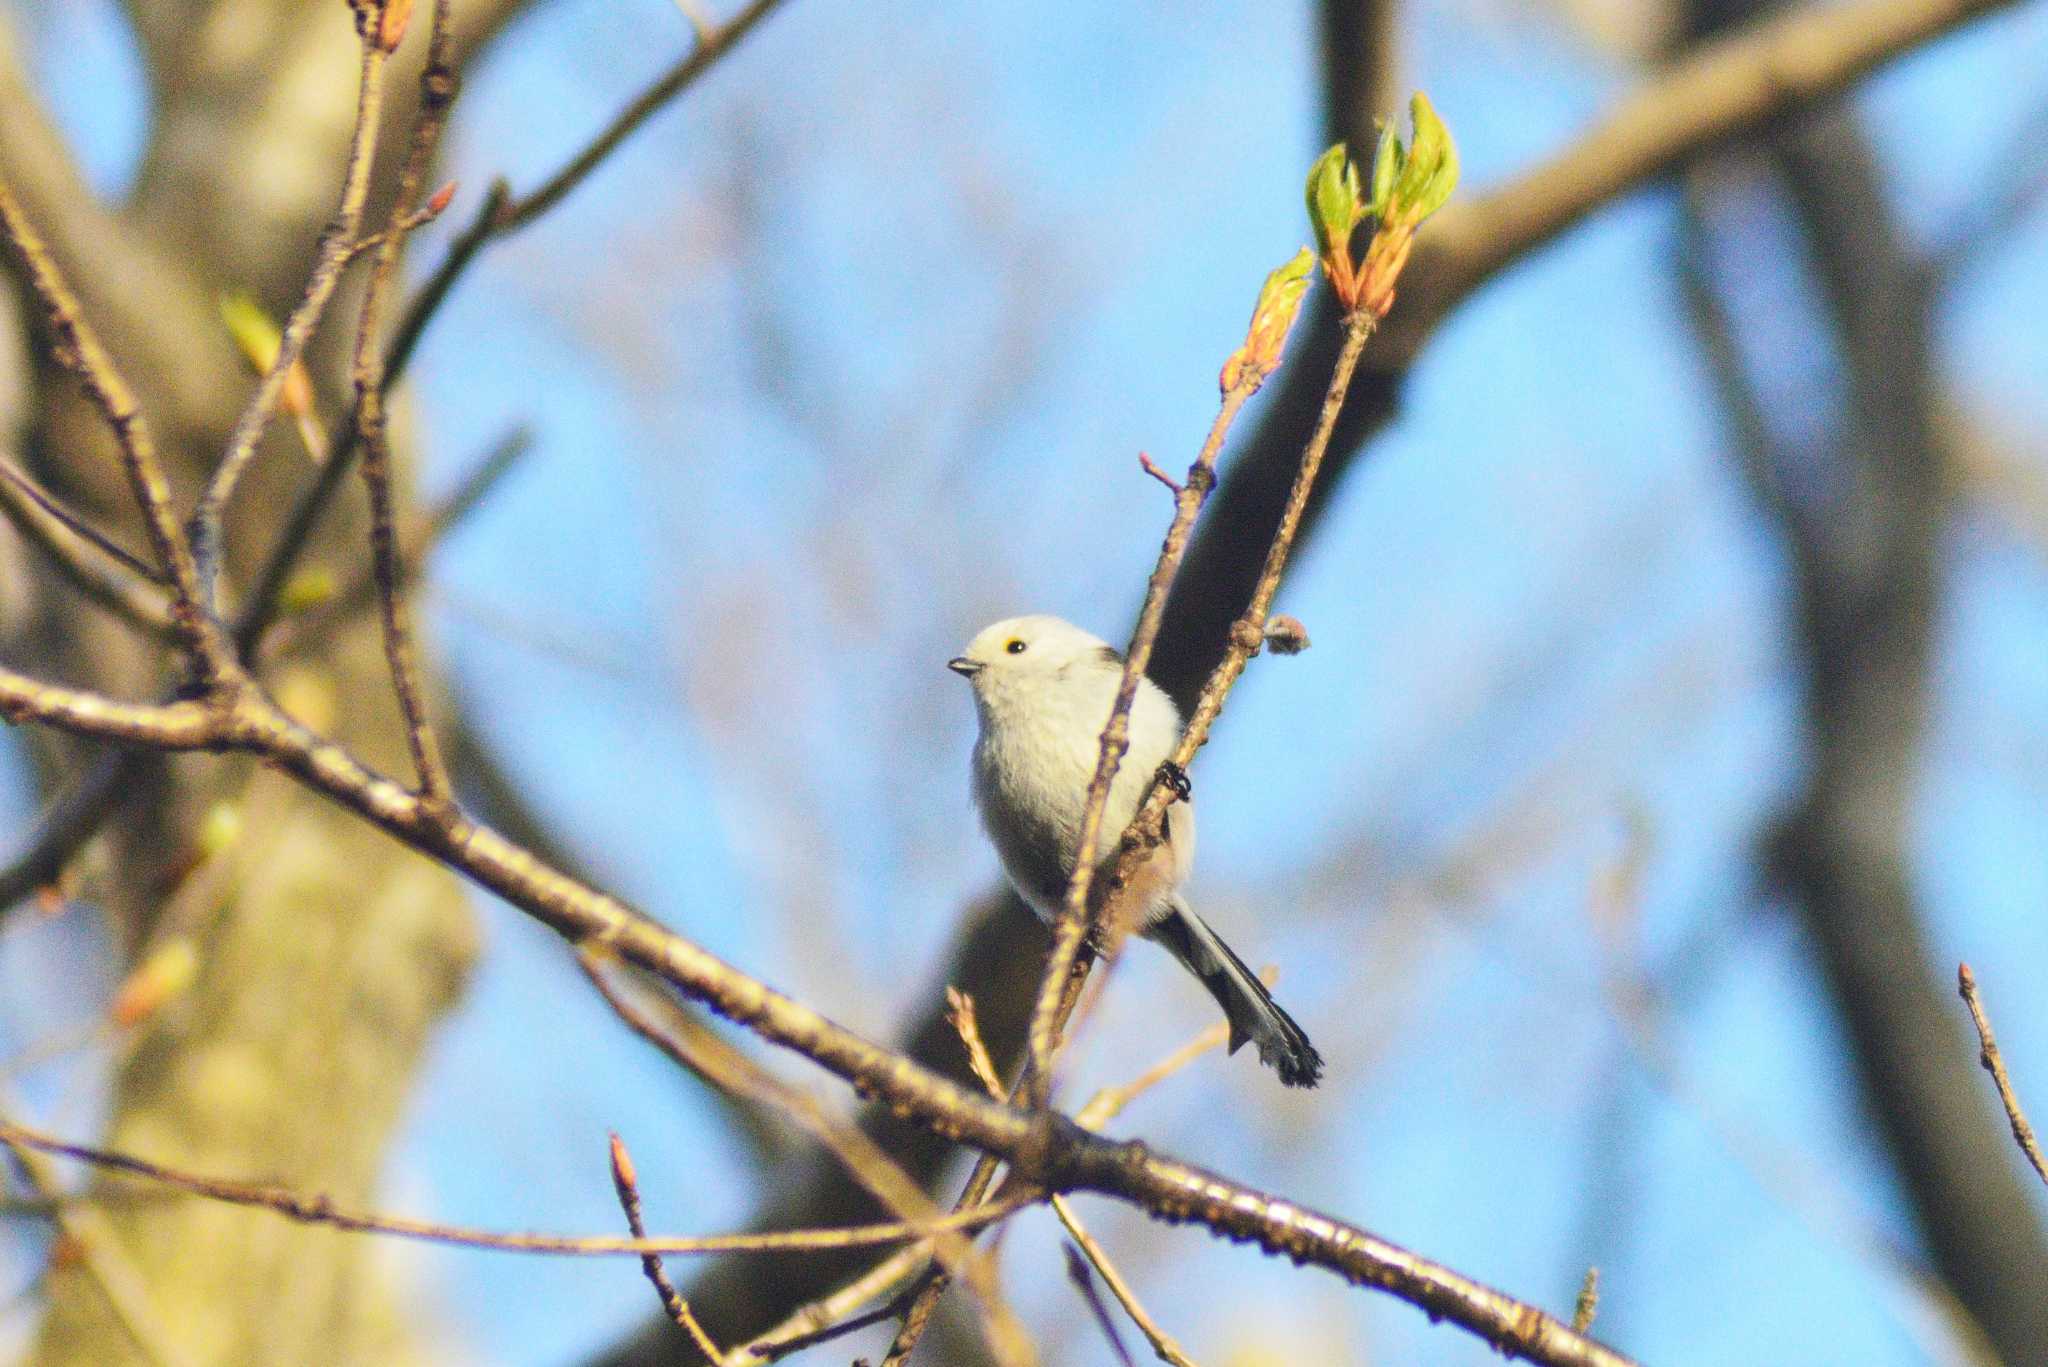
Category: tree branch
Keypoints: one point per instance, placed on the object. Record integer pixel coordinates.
(1046, 1152)
(318, 1210)
(332, 254)
(1994, 1064)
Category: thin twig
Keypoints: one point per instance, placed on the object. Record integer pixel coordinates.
(1108, 1103)
(129, 589)
(960, 1011)
(1588, 1303)
(709, 1057)
(1163, 1343)
(1077, 1273)
(1994, 1064)
(1072, 925)
(437, 93)
(319, 1210)
(78, 348)
(827, 1319)
(49, 503)
(1146, 464)
(918, 1314)
(329, 258)
(105, 1262)
(311, 628)
(627, 1184)
(67, 823)
(768, 1352)
(499, 215)
(709, 48)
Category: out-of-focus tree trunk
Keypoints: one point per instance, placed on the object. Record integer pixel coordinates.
(326, 952)
(1862, 522)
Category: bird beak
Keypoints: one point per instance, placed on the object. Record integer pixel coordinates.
(964, 667)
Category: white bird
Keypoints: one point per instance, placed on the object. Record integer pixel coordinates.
(1043, 688)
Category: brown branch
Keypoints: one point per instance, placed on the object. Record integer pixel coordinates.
(1077, 1273)
(1163, 1343)
(709, 1057)
(1994, 1064)
(21, 482)
(1042, 1148)
(129, 588)
(711, 45)
(627, 1184)
(500, 215)
(329, 258)
(833, 1317)
(437, 93)
(319, 1210)
(78, 348)
(1072, 926)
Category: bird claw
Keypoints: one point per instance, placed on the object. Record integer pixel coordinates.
(1176, 778)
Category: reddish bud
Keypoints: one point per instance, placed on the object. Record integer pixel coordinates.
(164, 975)
(624, 1176)
(391, 24)
(441, 200)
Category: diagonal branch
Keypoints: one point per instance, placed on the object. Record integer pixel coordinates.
(1994, 1064)
(79, 349)
(500, 215)
(1047, 1153)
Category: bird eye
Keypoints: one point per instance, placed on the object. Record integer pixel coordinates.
(1015, 646)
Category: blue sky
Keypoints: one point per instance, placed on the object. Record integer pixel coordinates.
(852, 352)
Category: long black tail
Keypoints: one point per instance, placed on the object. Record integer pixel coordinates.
(1253, 1013)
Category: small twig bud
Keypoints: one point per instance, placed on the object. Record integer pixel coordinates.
(1286, 635)
(391, 24)
(1145, 464)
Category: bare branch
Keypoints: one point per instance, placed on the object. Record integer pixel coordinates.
(1077, 1273)
(1045, 1150)
(627, 1184)
(21, 482)
(437, 93)
(1994, 1064)
(105, 1261)
(499, 215)
(709, 1057)
(128, 588)
(318, 1210)
(79, 349)
(332, 254)
(1163, 1343)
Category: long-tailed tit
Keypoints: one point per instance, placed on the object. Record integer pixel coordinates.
(1044, 688)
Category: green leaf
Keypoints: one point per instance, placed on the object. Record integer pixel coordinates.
(1386, 162)
(256, 336)
(1333, 207)
(1432, 170)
